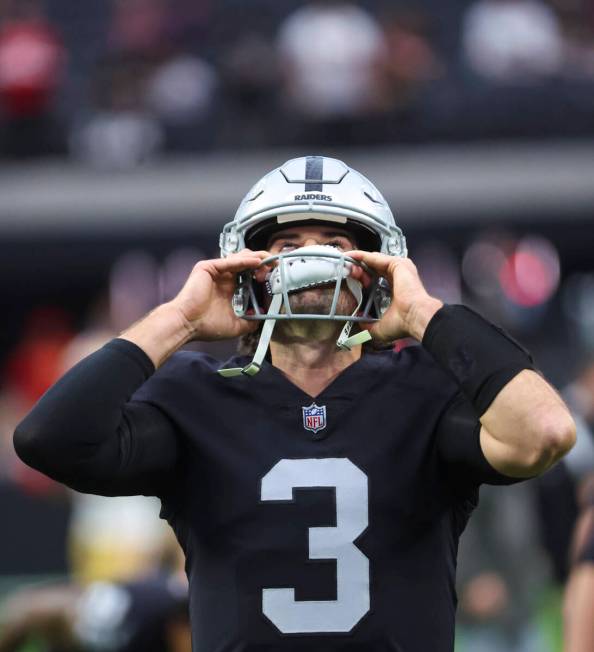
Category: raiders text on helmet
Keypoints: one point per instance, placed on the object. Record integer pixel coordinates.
(319, 189)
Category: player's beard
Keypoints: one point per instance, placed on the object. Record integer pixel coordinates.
(318, 301)
(312, 301)
(315, 301)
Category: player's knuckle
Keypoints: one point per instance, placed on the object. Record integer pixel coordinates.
(202, 265)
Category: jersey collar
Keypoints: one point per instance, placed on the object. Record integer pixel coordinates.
(351, 383)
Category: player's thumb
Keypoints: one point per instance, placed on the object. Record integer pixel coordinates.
(245, 327)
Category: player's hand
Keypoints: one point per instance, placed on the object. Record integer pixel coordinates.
(205, 300)
(412, 306)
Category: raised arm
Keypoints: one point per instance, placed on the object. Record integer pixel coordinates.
(85, 431)
(201, 311)
(526, 427)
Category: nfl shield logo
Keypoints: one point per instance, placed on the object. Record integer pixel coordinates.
(314, 418)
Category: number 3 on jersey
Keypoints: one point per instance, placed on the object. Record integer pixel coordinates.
(352, 566)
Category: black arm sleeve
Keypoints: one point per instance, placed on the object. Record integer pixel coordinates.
(481, 357)
(85, 433)
(459, 446)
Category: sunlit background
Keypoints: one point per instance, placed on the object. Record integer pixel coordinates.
(129, 132)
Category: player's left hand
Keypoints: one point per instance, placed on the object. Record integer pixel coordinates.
(412, 306)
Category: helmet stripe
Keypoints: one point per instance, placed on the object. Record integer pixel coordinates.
(314, 174)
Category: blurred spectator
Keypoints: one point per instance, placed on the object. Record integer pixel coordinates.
(440, 270)
(579, 596)
(187, 75)
(190, 23)
(153, 90)
(28, 497)
(181, 95)
(181, 90)
(250, 77)
(409, 58)
(35, 364)
(579, 396)
(149, 27)
(512, 40)
(114, 539)
(577, 23)
(560, 488)
(138, 26)
(334, 82)
(120, 132)
(133, 289)
(501, 573)
(121, 139)
(578, 307)
(147, 613)
(32, 59)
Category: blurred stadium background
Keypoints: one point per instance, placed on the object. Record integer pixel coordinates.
(130, 130)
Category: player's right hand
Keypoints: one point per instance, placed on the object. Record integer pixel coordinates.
(204, 302)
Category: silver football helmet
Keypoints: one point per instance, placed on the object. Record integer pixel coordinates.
(314, 190)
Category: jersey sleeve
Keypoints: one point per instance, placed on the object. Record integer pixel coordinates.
(86, 432)
(460, 451)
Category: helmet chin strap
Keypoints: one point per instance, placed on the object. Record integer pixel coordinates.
(344, 342)
(254, 367)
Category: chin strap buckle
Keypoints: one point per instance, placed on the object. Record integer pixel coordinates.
(344, 342)
(249, 370)
(354, 340)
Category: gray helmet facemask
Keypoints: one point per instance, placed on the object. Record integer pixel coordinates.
(313, 189)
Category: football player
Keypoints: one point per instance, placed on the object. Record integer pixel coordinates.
(318, 488)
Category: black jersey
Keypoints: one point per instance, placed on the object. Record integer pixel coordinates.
(308, 524)
(317, 525)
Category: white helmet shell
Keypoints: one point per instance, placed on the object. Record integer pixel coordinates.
(314, 188)
(311, 189)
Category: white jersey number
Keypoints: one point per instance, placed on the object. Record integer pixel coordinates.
(352, 572)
